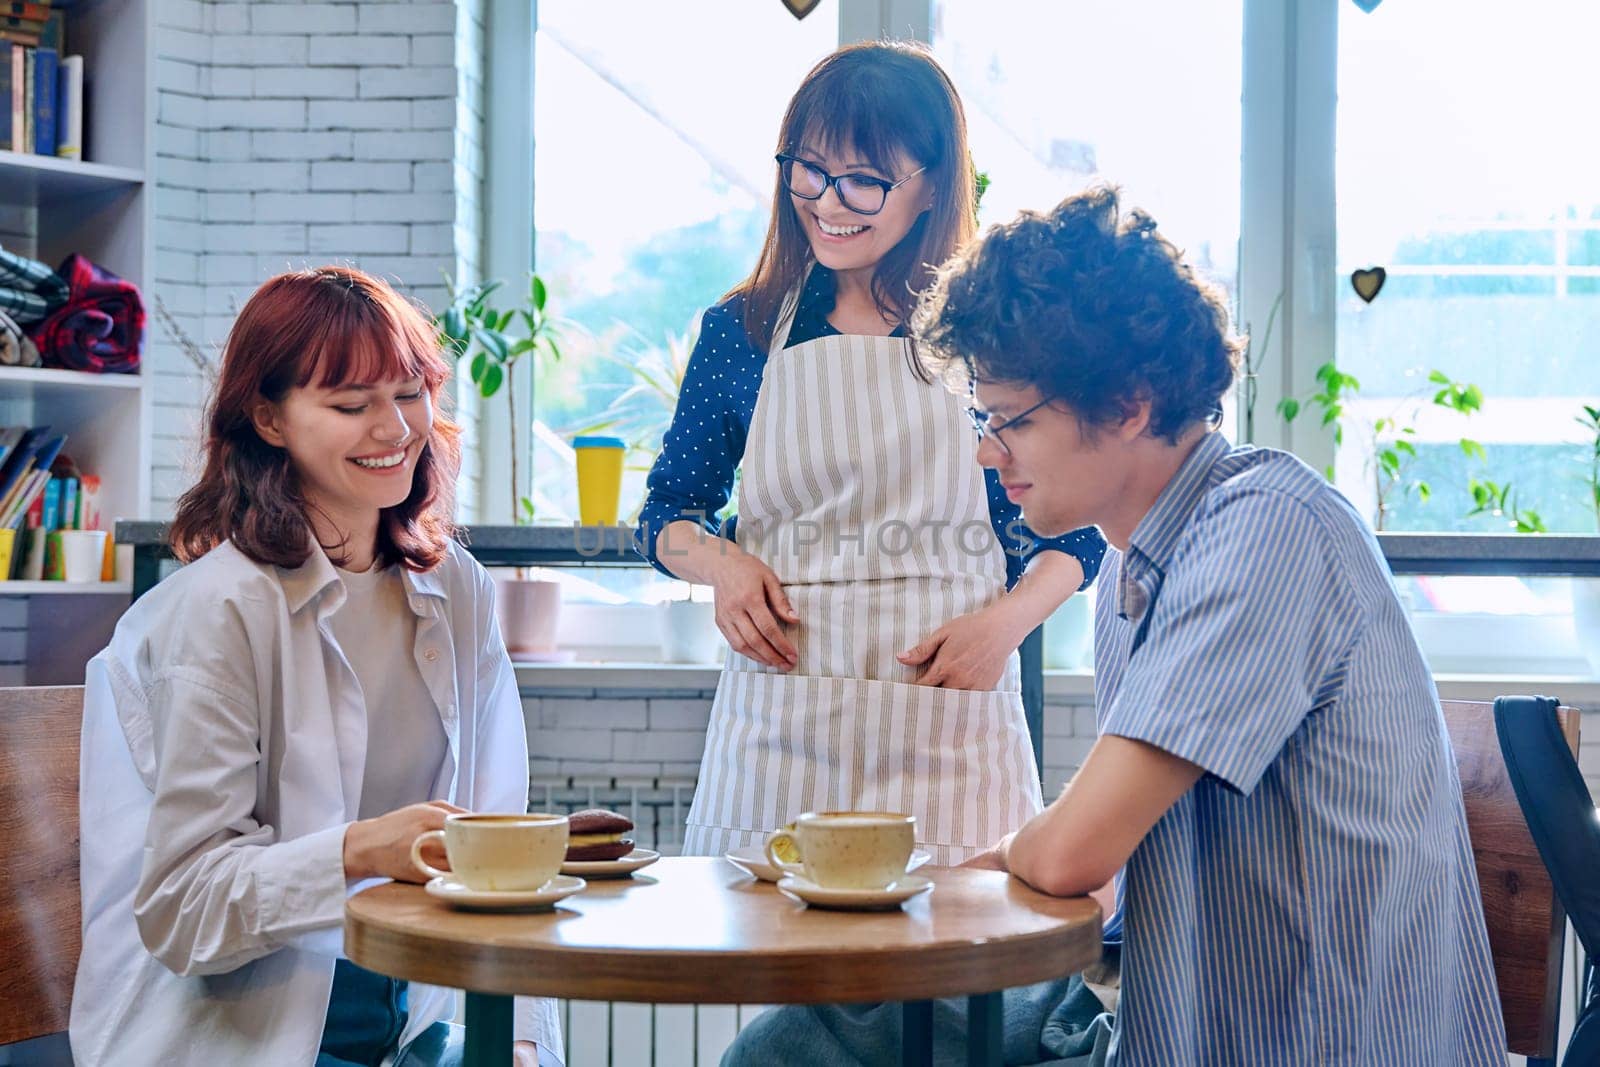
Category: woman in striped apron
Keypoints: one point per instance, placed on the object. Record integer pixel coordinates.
(863, 588)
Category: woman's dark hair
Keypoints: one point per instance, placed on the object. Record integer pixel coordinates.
(1090, 305)
(879, 98)
(334, 326)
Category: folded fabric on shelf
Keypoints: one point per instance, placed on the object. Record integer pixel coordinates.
(100, 327)
(29, 290)
(16, 348)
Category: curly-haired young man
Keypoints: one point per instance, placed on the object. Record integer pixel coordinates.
(1272, 778)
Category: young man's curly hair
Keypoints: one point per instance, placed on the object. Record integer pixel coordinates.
(1090, 305)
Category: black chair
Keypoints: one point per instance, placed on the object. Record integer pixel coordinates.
(1562, 820)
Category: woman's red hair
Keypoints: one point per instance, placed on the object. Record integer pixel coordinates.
(332, 326)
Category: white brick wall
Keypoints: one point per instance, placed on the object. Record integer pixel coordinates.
(291, 134)
(594, 738)
(622, 734)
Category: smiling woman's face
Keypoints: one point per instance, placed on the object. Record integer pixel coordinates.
(353, 447)
(846, 240)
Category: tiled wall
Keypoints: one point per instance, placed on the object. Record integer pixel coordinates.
(295, 134)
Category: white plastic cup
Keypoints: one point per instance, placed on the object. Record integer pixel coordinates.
(82, 554)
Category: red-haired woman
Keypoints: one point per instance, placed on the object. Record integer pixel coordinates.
(274, 725)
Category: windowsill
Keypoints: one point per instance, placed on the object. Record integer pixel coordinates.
(1060, 687)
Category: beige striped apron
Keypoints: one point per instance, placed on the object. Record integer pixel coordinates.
(861, 490)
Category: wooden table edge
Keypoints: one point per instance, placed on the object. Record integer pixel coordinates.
(838, 975)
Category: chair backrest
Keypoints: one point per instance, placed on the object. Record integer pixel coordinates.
(1525, 919)
(39, 905)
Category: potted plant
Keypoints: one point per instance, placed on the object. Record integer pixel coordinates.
(492, 340)
(1389, 438)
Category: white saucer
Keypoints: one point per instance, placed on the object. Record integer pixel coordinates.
(453, 892)
(897, 893)
(752, 860)
(621, 867)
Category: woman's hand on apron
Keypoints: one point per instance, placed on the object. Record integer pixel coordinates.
(968, 652)
(752, 610)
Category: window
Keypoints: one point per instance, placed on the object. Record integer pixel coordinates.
(653, 176)
(1443, 140)
(1462, 170)
(1083, 95)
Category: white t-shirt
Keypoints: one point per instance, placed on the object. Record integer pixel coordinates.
(406, 744)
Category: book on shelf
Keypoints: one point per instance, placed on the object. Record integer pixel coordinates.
(45, 64)
(26, 9)
(69, 109)
(39, 494)
(18, 79)
(41, 87)
(25, 471)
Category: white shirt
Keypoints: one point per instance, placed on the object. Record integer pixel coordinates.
(405, 738)
(224, 751)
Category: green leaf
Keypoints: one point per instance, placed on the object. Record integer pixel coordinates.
(1472, 397)
(1406, 447)
(480, 363)
(455, 324)
(504, 320)
(495, 342)
(1288, 408)
(1473, 450)
(555, 352)
(525, 504)
(1439, 377)
(1327, 374)
(1424, 492)
(536, 292)
(493, 375)
(1390, 463)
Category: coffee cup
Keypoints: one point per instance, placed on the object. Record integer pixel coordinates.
(498, 853)
(846, 849)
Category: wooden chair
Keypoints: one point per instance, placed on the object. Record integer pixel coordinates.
(39, 904)
(1526, 921)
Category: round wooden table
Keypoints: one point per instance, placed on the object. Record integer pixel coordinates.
(698, 931)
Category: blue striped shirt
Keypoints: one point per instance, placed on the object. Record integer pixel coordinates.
(1312, 900)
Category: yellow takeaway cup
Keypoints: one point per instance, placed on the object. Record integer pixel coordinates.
(599, 478)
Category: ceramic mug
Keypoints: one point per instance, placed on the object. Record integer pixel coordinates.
(847, 849)
(498, 853)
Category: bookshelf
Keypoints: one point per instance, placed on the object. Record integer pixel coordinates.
(101, 206)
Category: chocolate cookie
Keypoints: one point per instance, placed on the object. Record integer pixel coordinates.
(596, 834)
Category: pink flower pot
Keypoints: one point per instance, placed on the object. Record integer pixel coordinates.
(530, 611)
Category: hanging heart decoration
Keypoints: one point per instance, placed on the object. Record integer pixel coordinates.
(1368, 282)
(801, 8)
(1368, 5)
